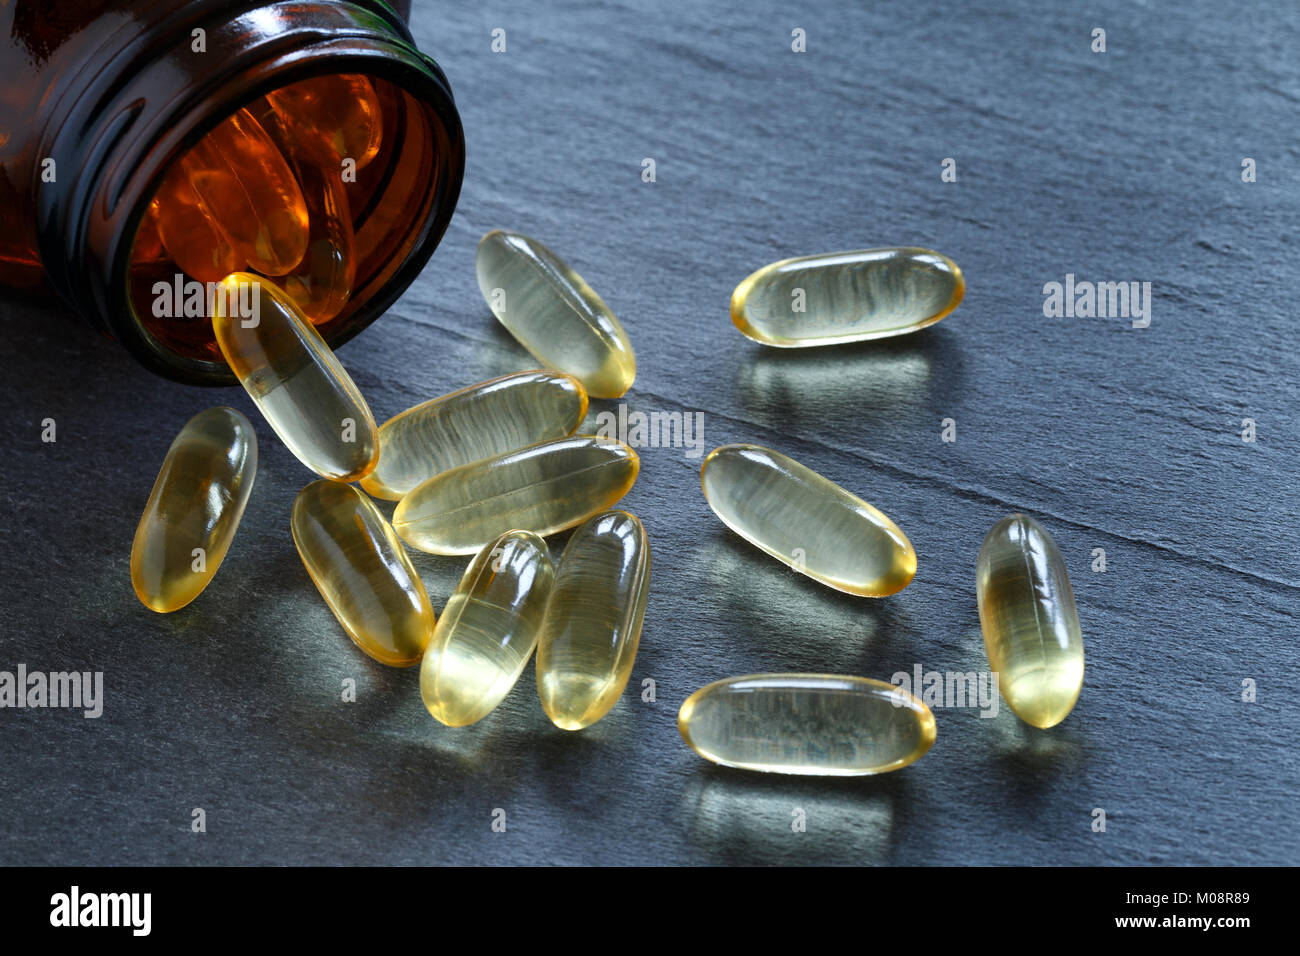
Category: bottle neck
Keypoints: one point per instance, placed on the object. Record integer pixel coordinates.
(155, 89)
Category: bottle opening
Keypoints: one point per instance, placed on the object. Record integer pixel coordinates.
(324, 186)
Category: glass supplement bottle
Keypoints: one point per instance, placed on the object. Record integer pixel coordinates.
(815, 724)
(148, 147)
(1030, 623)
(194, 509)
(488, 629)
(807, 521)
(593, 622)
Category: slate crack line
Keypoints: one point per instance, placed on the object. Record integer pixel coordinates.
(973, 493)
(987, 497)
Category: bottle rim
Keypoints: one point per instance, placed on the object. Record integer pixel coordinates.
(90, 229)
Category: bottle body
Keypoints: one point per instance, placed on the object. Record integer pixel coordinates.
(111, 100)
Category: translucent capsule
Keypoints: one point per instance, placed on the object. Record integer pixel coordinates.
(478, 422)
(148, 244)
(189, 229)
(807, 521)
(544, 488)
(194, 509)
(336, 117)
(322, 282)
(488, 629)
(817, 724)
(846, 297)
(1030, 623)
(296, 381)
(363, 572)
(247, 186)
(554, 313)
(593, 623)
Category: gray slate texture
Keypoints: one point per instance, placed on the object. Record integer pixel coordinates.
(1123, 165)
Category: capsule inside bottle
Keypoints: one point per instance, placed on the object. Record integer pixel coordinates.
(332, 117)
(189, 232)
(249, 189)
(321, 282)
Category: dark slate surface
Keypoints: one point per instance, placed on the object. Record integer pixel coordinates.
(1117, 166)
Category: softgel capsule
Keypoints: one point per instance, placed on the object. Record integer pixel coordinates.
(593, 621)
(544, 488)
(807, 521)
(1030, 623)
(846, 297)
(811, 724)
(193, 509)
(478, 422)
(295, 379)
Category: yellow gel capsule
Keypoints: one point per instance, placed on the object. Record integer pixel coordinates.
(807, 521)
(194, 509)
(488, 629)
(363, 572)
(322, 282)
(477, 422)
(543, 488)
(815, 724)
(335, 117)
(148, 245)
(593, 623)
(257, 200)
(1030, 623)
(846, 297)
(554, 313)
(189, 231)
(294, 377)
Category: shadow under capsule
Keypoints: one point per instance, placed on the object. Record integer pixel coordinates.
(791, 623)
(1029, 755)
(505, 736)
(783, 387)
(506, 349)
(427, 760)
(439, 573)
(274, 621)
(739, 816)
(1031, 759)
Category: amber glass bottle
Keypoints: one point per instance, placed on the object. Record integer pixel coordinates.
(103, 105)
